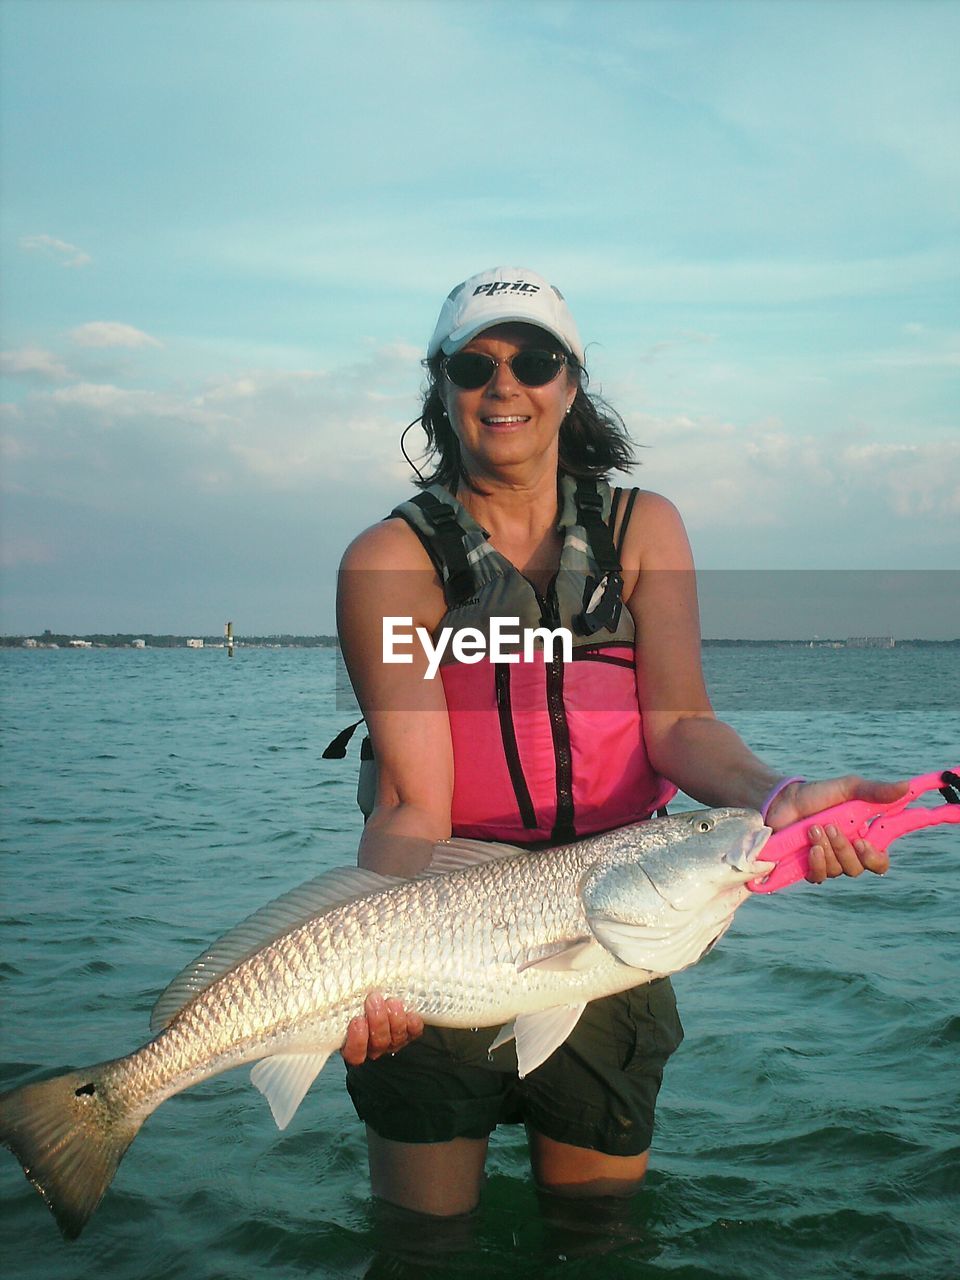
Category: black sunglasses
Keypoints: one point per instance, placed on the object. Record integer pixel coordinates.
(470, 370)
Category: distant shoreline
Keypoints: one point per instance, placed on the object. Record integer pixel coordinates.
(143, 640)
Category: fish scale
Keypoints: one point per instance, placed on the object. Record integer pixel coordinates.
(487, 936)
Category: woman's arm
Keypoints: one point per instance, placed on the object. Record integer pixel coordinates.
(386, 573)
(685, 741)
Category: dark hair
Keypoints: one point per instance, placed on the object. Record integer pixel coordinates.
(593, 437)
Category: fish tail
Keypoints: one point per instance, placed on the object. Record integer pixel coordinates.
(70, 1135)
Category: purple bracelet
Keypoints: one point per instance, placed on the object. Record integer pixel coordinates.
(781, 786)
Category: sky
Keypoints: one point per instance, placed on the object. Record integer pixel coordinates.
(227, 227)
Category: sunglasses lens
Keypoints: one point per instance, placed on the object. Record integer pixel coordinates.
(536, 368)
(469, 370)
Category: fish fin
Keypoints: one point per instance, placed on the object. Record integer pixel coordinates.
(69, 1135)
(567, 957)
(455, 854)
(324, 892)
(538, 1034)
(284, 1079)
(506, 1033)
(632, 944)
(660, 950)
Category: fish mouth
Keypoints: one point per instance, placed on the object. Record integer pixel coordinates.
(745, 859)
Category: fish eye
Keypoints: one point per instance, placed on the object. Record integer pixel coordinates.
(704, 825)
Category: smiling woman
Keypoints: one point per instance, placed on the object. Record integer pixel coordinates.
(532, 319)
(505, 399)
(517, 522)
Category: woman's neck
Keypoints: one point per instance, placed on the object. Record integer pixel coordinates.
(522, 523)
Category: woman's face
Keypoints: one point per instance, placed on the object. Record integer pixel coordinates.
(504, 425)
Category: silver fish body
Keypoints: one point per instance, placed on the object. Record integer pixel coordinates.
(488, 936)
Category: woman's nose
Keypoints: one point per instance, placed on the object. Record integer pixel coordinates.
(502, 382)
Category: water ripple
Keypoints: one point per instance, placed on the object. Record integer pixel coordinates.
(807, 1127)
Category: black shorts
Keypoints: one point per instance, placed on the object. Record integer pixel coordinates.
(598, 1090)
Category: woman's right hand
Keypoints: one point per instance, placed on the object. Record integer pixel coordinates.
(385, 573)
(385, 1026)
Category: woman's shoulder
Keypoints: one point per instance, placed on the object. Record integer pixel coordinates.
(387, 571)
(648, 501)
(655, 509)
(388, 544)
(655, 535)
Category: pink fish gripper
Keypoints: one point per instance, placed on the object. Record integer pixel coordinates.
(881, 824)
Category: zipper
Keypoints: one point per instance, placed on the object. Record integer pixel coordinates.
(563, 759)
(511, 751)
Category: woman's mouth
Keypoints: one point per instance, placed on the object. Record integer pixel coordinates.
(504, 420)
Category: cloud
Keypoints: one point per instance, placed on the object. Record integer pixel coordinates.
(657, 350)
(33, 362)
(760, 279)
(757, 494)
(912, 477)
(111, 333)
(107, 404)
(249, 484)
(259, 437)
(67, 254)
(246, 488)
(925, 348)
(18, 550)
(303, 430)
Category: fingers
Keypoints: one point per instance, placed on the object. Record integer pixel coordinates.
(876, 792)
(875, 860)
(404, 1025)
(832, 854)
(385, 1026)
(354, 1048)
(805, 799)
(378, 1025)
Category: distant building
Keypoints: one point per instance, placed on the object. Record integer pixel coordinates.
(138, 644)
(81, 644)
(29, 643)
(871, 642)
(194, 644)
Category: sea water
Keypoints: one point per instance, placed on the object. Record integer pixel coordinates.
(808, 1126)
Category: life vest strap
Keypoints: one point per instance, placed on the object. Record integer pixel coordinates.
(602, 596)
(628, 512)
(446, 544)
(337, 749)
(455, 571)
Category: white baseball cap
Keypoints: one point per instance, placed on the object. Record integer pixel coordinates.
(500, 296)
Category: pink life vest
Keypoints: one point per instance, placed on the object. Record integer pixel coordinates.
(544, 750)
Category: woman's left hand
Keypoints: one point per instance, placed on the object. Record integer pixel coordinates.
(831, 853)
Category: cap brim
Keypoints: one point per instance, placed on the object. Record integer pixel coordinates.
(460, 337)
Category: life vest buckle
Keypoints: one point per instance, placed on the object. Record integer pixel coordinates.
(602, 604)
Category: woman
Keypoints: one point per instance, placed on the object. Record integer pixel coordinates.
(521, 523)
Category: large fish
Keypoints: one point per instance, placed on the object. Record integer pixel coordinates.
(488, 936)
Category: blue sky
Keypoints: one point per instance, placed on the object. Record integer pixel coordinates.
(227, 228)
